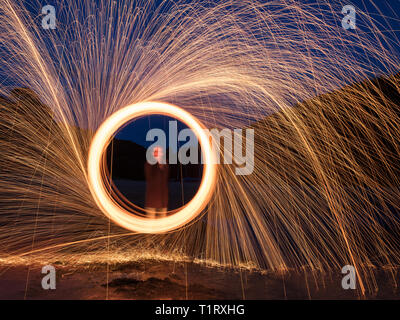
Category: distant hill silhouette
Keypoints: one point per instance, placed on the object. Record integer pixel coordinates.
(26, 106)
(129, 158)
(331, 124)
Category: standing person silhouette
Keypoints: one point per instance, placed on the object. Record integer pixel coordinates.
(156, 204)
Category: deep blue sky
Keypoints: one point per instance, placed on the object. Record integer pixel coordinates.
(137, 130)
(384, 12)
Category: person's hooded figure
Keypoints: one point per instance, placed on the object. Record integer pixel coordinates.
(156, 185)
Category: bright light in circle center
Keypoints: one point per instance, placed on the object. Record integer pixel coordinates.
(122, 216)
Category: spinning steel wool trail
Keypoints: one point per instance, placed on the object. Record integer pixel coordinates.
(325, 189)
(124, 217)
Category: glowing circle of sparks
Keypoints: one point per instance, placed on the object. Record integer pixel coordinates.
(122, 216)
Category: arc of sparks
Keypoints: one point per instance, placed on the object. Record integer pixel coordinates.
(122, 216)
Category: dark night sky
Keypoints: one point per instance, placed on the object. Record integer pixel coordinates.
(137, 130)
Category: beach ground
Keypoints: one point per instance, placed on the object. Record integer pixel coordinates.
(151, 279)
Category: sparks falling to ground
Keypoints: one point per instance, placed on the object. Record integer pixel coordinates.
(325, 189)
